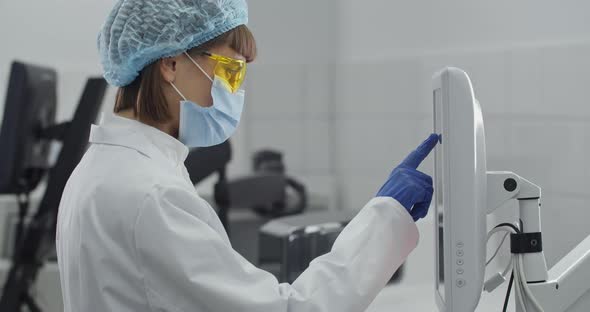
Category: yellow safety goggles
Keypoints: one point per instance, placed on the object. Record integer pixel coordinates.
(231, 71)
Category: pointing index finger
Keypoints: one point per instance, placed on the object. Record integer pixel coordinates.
(417, 156)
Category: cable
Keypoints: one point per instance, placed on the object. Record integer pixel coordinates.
(508, 268)
(508, 292)
(517, 277)
(498, 249)
(514, 227)
(518, 284)
(500, 228)
(531, 298)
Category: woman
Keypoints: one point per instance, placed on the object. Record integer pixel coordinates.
(134, 235)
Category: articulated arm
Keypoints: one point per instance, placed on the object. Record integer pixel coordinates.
(503, 186)
(566, 287)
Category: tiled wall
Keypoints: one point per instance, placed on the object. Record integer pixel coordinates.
(291, 110)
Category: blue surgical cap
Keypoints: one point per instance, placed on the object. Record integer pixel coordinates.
(139, 32)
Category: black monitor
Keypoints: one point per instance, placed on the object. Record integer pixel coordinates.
(30, 108)
(38, 239)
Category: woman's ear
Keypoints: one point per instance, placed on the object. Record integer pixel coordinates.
(168, 68)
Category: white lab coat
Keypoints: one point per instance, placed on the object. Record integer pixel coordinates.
(134, 235)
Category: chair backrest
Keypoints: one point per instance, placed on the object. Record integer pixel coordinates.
(204, 161)
(259, 189)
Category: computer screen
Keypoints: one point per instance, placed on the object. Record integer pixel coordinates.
(438, 195)
(30, 107)
(460, 192)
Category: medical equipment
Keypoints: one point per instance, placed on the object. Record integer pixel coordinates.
(29, 121)
(465, 192)
(460, 180)
(289, 244)
(39, 235)
(29, 110)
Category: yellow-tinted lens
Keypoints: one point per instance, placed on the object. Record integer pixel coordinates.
(231, 71)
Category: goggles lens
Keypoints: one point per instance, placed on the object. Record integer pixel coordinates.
(231, 71)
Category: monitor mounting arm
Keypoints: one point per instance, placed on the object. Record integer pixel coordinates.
(503, 186)
(565, 286)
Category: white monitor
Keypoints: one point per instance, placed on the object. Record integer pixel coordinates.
(460, 193)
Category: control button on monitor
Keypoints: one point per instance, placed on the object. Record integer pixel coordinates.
(460, 253)
(460, 271)
(459, 261)
(460, 244)
(460, 282)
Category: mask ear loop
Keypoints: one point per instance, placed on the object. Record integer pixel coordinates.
(199, 66)
(178, 91)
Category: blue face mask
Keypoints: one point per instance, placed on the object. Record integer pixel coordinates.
(209, 126)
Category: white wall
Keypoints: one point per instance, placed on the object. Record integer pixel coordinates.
(60, 34)
(379, 30)
(350, 115)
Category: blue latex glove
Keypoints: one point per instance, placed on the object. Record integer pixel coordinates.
(410, 187)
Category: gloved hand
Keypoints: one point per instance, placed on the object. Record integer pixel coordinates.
(410, 187)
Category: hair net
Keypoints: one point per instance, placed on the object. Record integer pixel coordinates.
(138, 32)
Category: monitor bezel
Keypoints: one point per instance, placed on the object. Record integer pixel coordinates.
(464, 189)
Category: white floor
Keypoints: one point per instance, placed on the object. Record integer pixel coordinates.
(417, 290)
(406, 297)
(421, 298)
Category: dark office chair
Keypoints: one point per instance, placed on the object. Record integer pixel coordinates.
(264, 191)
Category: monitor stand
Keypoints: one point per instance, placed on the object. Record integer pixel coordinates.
(565, 286)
